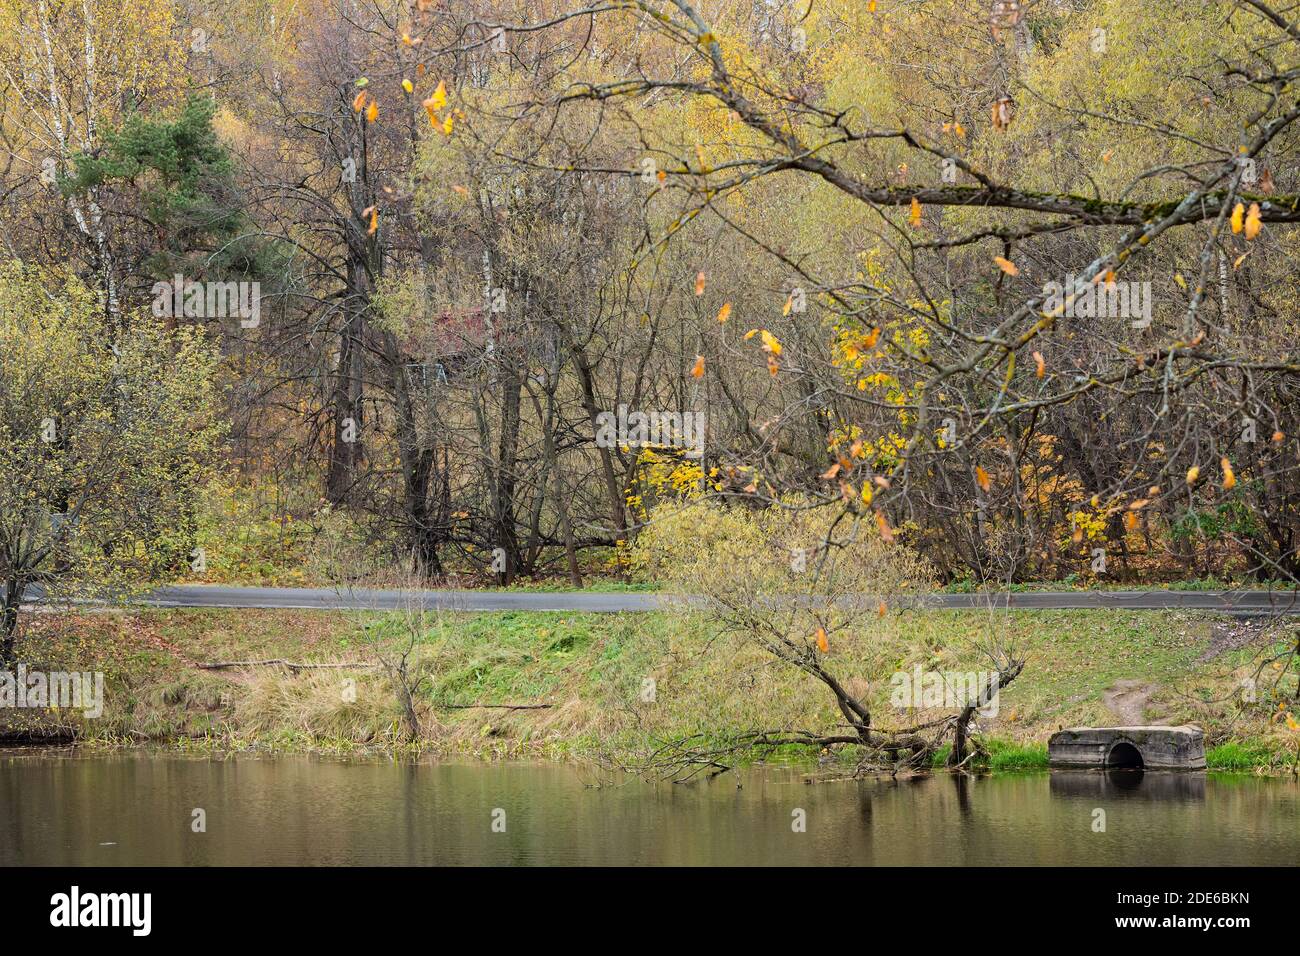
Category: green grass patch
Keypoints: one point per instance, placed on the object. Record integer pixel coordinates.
(1235, 755)
(1006, 755)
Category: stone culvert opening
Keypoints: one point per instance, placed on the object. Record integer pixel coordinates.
(1124, 756)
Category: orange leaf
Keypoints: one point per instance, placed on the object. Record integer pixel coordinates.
(1229, 479)
(916, 214)
(698, 370)
(823, 644)
(886, 532)
(724, 313)
(699, 283)
(982, 478)
(1253, 223)
(1007, 266)
(1041, 366)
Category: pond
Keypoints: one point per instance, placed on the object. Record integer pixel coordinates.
(143, 808)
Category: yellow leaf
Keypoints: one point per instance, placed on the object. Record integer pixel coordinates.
(724, 313)
(1229, 479)
(408, 86)
(439, 98)
(1182, 283)
(698, 370)
(446, 125)
(789, 304)
(1193, 473)
(1236, 263)
(770, 343)
(867, 494)
(1007, 266)
(699, 156)
(1253, 223)
(1237, 213)
(982, 478)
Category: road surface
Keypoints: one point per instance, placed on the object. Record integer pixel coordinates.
(360, 599)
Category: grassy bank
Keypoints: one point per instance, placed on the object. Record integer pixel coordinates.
(594, 673)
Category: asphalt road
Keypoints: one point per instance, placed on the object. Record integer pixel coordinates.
(212, 595)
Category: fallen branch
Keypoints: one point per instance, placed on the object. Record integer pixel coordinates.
(275, 662)
(498, 706)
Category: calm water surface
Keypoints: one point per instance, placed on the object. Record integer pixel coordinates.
(136, 809)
